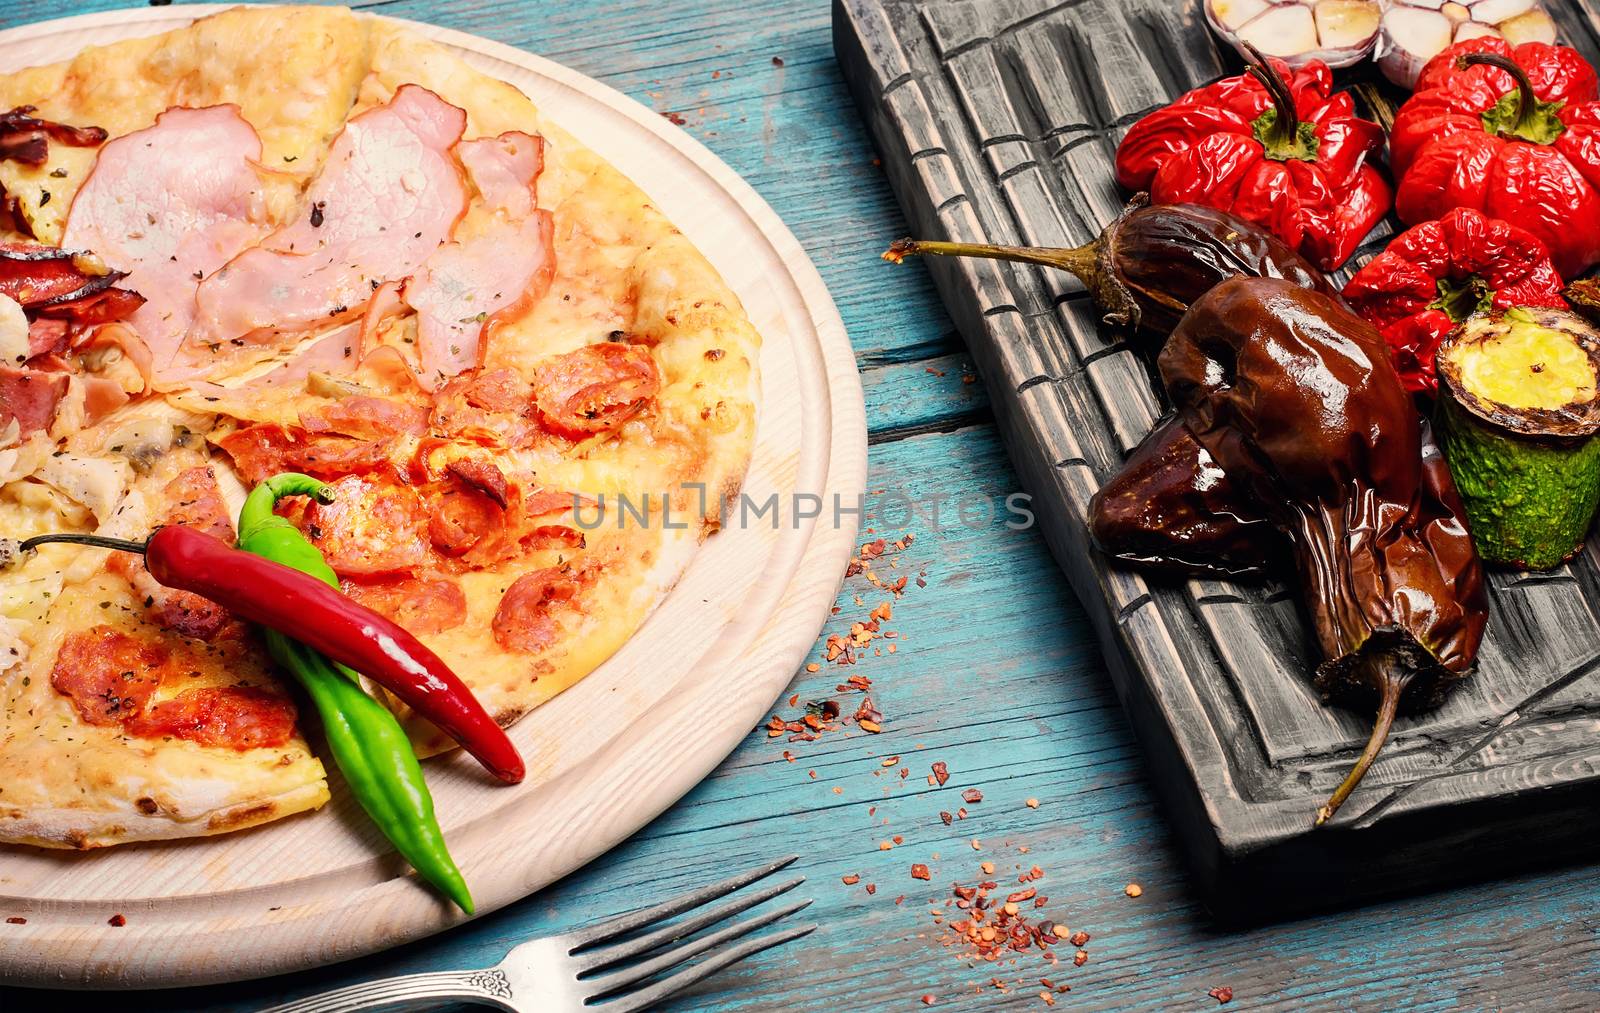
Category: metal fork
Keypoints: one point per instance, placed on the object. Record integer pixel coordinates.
(561, 973)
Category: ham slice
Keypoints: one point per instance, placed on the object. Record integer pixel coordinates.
(499, 264)
(388, 195)
(168, 205)
(30, 397)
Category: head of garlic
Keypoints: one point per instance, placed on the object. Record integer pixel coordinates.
(1337, 32)
(1412, 32)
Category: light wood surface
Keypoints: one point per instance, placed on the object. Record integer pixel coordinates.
(606, 756)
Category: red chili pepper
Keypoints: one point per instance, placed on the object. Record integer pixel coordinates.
(1435, 275)
(1281, 151)
(1514, 133)
(304, 608)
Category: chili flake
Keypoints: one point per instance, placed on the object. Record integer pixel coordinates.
(1133, 889)
(941, 773)
(1222, 993)
(16, 920)
(116, 921)
(920, 871)
(850, 880)
(972, 796)
(1080, 958)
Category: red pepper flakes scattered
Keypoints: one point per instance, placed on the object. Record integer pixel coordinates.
(16, 920)
(1222, 993)
(1080, 958)
(934, 372)
(872, 888)
(947, 818)
(972, 796)
(116, 921)
(1133, 889)
(850, 880)
(927, 1000)
(920, 871)
(941, 773)
(674, 118)
(1079, 938)
(777, 61)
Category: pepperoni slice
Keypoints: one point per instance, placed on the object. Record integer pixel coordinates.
(463, 517)
(371, 527)
(483, 476)
(421, 605)
(109, 675)
(195, 500)
(493, 408)
(594, 388)
(261, 451)
(366, 418)
(229, 717)
(526, 617)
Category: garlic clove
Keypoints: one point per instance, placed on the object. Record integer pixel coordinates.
(1289, 30)
(1475, 30)
(1345, 24)
(1534, 26)
(1492, 12)
(1408, 39)
(1235, 14)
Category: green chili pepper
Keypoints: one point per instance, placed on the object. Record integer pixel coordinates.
(367, 743)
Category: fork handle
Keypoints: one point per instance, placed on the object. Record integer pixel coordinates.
(488, 988)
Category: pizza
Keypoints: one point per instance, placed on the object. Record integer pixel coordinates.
(303, 239)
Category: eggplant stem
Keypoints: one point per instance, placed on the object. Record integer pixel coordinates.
(1079, 260)
(98, 541)
(1388, 707)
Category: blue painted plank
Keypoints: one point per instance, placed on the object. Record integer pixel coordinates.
(996, 674)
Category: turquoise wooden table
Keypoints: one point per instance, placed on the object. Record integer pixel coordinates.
(995, 672)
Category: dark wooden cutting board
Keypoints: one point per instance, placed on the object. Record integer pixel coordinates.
(997, 121)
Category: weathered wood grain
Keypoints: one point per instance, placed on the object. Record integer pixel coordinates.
(995, 610)
(1027, 101)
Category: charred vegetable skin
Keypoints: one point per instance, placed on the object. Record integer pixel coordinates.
(1295, 400)
(1153, 261)
(1434, 276)
(1518, 414)
(1514, 133)
(1172, 507)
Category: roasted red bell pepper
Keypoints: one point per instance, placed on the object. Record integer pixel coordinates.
(1514, 133)
(1435, 275)
(1279, 150)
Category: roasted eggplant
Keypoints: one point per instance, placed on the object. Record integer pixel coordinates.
(1295, 401)
(1153, 261)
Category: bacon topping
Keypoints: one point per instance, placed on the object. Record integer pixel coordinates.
(171, 204)
(108, 674)
(30, 397)
(370, 528)
(26, 139)
(500, 267)
(197, 503)
(594, 388)
(387, 196)
(230, 717)
(36, 276)
(422, 605)
(526, 619)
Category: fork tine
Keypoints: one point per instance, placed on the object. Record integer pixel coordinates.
(613, 983)
(594, 960)
(605, 930)
(648, 997)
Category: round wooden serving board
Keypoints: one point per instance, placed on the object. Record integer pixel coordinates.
(606, 756)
